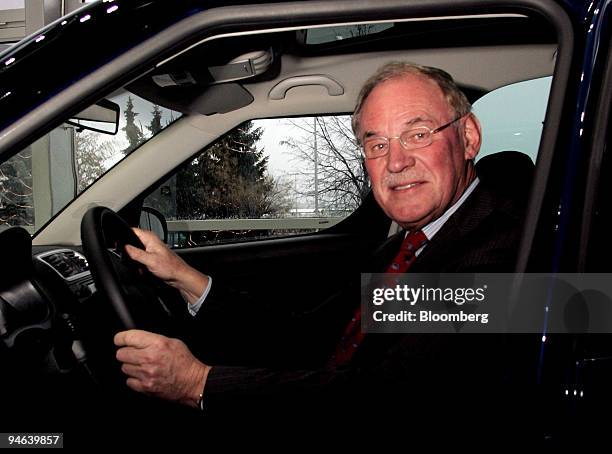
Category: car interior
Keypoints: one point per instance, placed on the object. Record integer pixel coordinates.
(56, 323)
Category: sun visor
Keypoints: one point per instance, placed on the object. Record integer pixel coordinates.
(189, 87)
(221, 98)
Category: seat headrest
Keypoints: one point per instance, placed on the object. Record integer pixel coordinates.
(507, 171)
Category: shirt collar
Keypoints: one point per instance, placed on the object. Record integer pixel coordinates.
(434, 226)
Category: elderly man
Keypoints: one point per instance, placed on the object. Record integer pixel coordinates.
(419, 141)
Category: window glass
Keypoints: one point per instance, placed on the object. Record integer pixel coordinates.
(36, 183)
(265, 178)
(512, 117)
(343, 32)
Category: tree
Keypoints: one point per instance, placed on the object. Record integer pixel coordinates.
(275, 199)
(155, 125)
(91, 155)
(133, 133)
(229, 180)
(341, 179)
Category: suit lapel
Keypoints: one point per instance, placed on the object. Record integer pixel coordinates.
(385, 253)
(468, 217)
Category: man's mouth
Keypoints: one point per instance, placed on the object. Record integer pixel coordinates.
(406, 186)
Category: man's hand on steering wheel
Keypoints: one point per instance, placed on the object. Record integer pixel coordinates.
(155, 364)
(167, 266)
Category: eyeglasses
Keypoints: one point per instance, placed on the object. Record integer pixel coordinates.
(377, 147)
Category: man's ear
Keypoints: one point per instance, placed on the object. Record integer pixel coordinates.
(472, 136)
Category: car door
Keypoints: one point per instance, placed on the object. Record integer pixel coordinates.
(275, 265)
(298, 272)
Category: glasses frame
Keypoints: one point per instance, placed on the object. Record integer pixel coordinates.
(388, 139)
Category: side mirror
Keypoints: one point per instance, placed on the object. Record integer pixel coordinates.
(102, 117)
(153, 220)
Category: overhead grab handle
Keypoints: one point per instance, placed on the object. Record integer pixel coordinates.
(280, 89)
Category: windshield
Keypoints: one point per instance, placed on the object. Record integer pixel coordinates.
(40, 180)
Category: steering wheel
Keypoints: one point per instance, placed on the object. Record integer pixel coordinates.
(139, 299)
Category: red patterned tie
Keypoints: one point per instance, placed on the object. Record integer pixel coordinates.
(353, 336)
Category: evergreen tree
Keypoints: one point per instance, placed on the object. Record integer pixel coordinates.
(155, 125)
(227, 180)
(133, 133)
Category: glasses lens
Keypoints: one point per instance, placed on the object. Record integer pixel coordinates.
(416, 138)
(375, 147)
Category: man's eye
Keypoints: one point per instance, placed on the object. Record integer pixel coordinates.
(377, 147)
(417, 136)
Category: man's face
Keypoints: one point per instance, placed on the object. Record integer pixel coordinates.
(415, 187)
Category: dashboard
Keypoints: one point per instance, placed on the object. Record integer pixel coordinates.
(72, 267)
(55, 333)
(42, 292)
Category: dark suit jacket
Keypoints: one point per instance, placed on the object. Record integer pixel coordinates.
(482, 235)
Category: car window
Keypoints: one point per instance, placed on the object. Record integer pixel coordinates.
(262, 179)
(512, 117)
(265, 178)
(37, 182)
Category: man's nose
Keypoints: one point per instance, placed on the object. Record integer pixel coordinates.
(399, 158)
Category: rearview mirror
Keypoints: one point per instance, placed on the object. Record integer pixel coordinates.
(102, 117)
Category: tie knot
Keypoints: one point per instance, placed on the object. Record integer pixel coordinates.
(414, 241)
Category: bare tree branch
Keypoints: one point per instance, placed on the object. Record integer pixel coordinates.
(341, 178)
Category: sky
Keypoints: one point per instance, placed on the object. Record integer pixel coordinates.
(280, 160)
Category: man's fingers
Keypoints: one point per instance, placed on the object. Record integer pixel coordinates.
(136, 254)
(132, 371)
(135, 384)
(134, 338)
(147, 237)
(133, 251)
(129, 355)
(140, 233)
